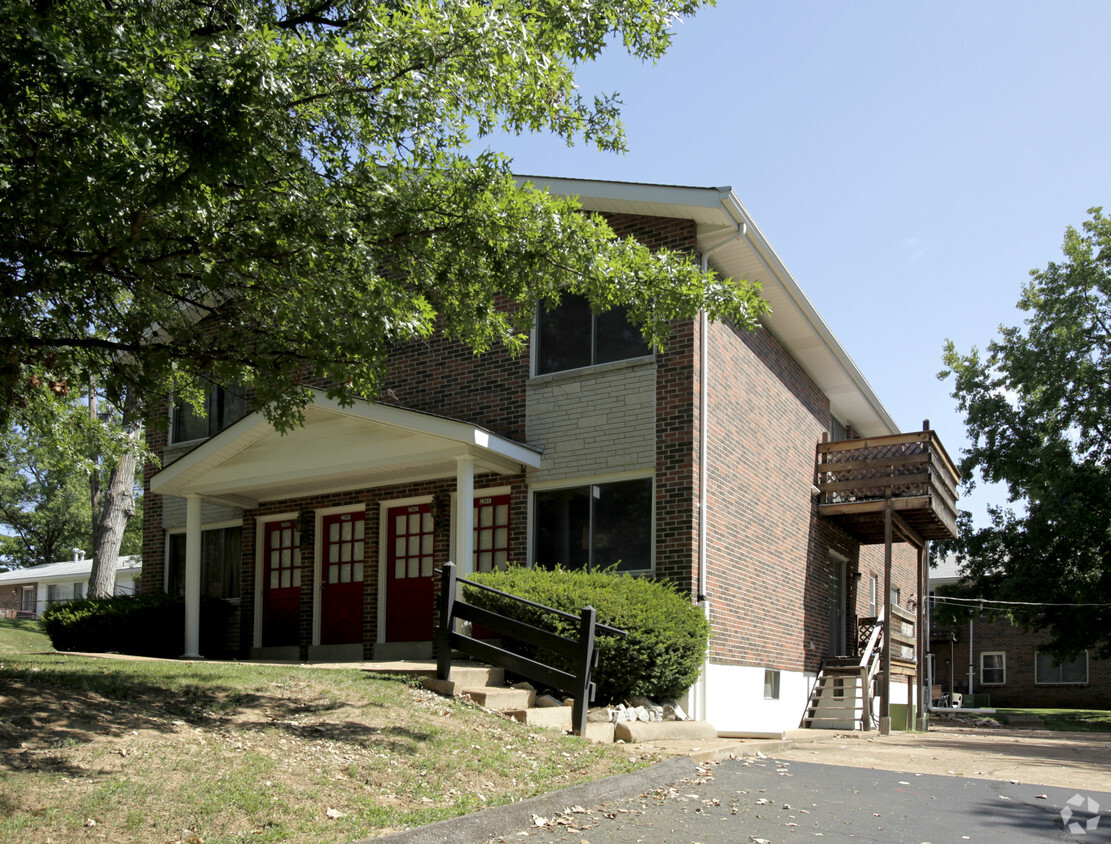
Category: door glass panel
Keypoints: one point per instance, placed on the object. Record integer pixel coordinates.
(413, 563)
(426, 523)
(357, 551)
(414, 545)
(359, 529)
(501, 516)
(333, 532)
(414, 523)
(274, 579)
(426, 567)
(357, 573)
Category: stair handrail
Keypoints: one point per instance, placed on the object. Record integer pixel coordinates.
(869, 665)
(582, 650)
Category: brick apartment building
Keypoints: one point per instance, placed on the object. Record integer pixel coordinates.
(1004, 665)
(696, 464)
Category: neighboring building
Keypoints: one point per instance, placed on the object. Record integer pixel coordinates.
(1002, 665)
(697, 465)
(27, 592)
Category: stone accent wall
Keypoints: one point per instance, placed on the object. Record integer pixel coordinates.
(593, 422)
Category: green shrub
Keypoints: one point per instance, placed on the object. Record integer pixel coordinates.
(667, 639)
(145, 625)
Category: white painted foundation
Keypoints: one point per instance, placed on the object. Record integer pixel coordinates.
(735, 699)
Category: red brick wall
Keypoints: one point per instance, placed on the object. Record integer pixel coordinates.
(11, 597)
(770, 571)
(1019, 688)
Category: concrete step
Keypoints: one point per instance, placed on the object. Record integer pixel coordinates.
(555, 717)
(501, 699)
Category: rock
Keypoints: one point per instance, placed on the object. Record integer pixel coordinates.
(673, 712)
(642, 714)
(599, 715)
(548, 701)
(524, 684)
(640, 700)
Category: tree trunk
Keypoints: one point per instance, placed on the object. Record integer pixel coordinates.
(114, 505)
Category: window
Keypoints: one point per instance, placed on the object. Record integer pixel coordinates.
(221, 560)
(595, 527)
(771, 684)
(873, 594)
(491, 532)
(993, 668)
(222, 407)
(895, 596)
(78, 591)
(571, 336)
(1048, 671)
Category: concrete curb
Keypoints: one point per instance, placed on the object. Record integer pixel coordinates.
(514, 817)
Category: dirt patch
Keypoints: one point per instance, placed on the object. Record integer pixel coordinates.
(1069, 760)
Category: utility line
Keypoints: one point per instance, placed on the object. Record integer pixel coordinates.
(940, 599)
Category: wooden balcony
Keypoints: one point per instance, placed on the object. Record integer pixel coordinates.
(856, 478)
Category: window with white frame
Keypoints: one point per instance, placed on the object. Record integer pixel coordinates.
(223, 406)
(595, 526)
(571, 336)
(221, 562)
(1049, 671)
(993, 668)
(78, 590)
(873, 595)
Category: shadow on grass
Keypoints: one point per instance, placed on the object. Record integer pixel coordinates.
(53, 702)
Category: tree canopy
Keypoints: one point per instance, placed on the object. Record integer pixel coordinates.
(220, 191)
(1037, 405)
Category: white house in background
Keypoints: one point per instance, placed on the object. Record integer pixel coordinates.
(29, 591)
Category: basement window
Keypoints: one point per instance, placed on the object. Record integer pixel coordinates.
(771, 684)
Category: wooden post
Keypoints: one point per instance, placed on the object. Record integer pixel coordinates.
(587, 620)
(922, 722)
(447, 622)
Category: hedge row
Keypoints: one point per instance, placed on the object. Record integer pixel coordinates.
(145, 625)
(668, 636)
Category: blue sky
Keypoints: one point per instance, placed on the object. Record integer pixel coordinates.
(910, 163)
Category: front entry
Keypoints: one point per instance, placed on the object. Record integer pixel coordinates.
(341, 579)
(281, 584)
(409, 583)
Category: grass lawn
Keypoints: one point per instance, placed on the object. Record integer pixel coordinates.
(166, 751)
(1065, 720)
(22, 636)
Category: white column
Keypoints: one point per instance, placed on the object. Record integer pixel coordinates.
(464, 519)
(192, 577)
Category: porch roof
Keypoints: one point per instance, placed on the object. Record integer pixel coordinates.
(338, 448)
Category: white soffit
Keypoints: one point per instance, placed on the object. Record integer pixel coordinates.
(337, 448)
(794, 321)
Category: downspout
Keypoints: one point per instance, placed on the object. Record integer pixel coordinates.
(703, 450)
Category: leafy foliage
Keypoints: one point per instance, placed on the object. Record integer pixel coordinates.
(1038, 410)
(199, 191)
(45, 470)
(668, 635)
(147, 625)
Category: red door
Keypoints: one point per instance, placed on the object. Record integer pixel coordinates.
(409, 544)
(341, 579)
(281, 584)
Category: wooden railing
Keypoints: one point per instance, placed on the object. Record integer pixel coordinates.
(849, 473)
(582, 651)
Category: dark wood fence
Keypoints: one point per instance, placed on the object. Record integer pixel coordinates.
(582, 650)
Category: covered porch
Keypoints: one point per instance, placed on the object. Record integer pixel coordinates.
(320, 469)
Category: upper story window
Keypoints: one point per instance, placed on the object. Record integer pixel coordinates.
(595, 526)
(571, 336)
(222, 407)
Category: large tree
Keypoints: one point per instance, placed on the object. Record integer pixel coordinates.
(68, 481)
(1038, 409)
(197, 191)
